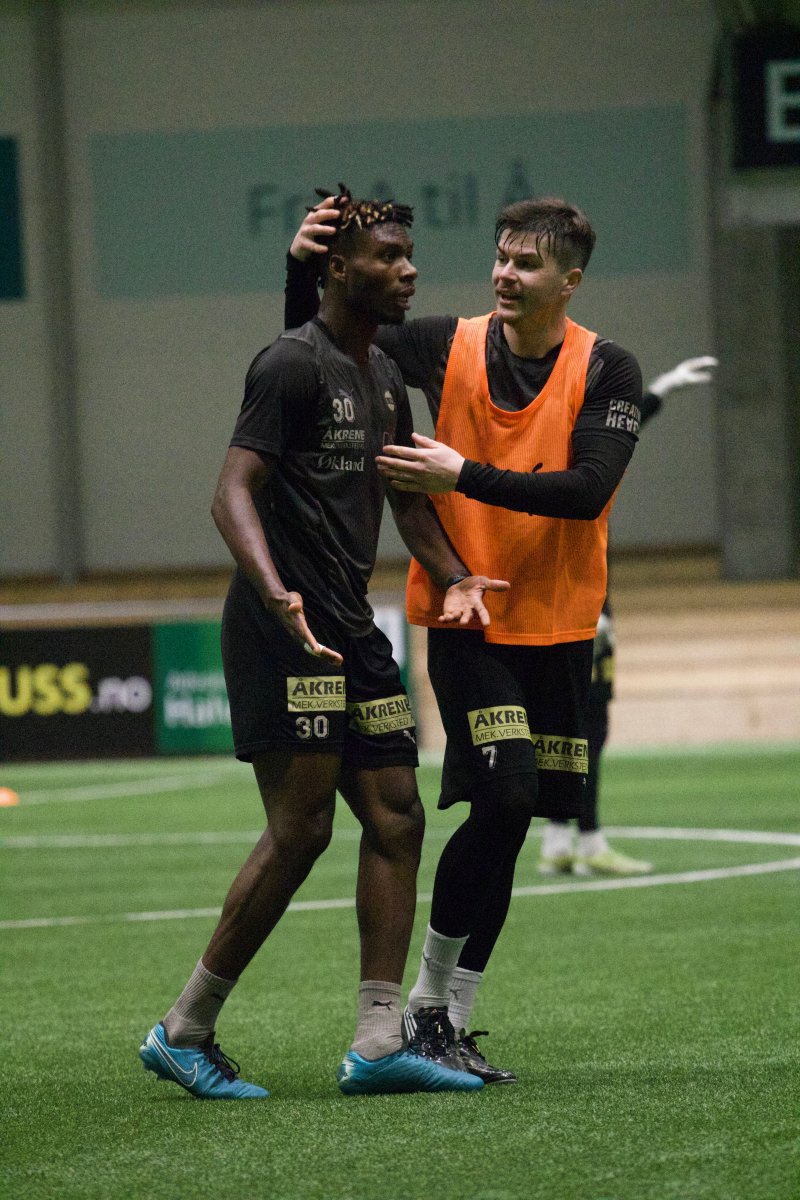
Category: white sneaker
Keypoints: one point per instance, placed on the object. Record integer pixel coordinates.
(557, 854)
(558, 864)
(610, 862)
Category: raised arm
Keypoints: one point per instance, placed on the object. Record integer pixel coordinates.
(688, 373)
(301, 298)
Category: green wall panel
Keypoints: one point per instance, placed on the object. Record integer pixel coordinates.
(12, 284)
(213, 212)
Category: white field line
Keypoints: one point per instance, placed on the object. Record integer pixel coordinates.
(639, 881)
(185, 772)
(123, 841)
(123, 768)
(117, 791)
(114, 841)
(546, 889)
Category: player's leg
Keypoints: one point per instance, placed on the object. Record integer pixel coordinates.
(489, 762)
(299, 796)
(597, 735)
(557, 855)
(379, 784)
(468, 975)
(494, 833)
(593, 854)
(279, 698)
(387, 804)
(554, 693)
(559, 852)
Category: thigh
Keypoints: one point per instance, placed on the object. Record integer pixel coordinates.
(380, 730)
(482, 702)
(281, 697)
(298, 791)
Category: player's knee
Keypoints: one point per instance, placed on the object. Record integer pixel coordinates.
(414, 825)
(305, 834)
(512, 802)
(397, 831)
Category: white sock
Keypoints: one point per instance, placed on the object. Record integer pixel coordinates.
(592, 843)
(379, 1015)
(439, 958)
(463, 989)
(194, 1014)
(556, 840)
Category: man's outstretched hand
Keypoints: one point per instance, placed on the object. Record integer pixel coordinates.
(464, 600)
(428, 466)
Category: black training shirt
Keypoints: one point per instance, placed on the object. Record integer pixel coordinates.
(322, 418)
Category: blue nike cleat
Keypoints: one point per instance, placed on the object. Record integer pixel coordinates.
(403, 1071)
(203, 1070)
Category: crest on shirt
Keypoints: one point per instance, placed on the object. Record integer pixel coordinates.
(389, 398)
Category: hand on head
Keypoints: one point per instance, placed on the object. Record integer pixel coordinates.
(316, 229)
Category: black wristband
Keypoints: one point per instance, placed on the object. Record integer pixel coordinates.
(453, 580)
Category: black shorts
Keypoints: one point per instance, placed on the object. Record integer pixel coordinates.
(283, 698)
(602, 690)
(512, 710)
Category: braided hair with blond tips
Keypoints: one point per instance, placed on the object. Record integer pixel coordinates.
(357, 216)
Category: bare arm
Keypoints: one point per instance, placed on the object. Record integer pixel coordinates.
(422, 532)
(243, 474)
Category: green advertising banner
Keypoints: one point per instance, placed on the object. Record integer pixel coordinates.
(191, 703)
(192, 213)
(12, 285)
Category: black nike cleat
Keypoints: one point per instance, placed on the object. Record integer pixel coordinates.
(476, 1064)
(433, 1037)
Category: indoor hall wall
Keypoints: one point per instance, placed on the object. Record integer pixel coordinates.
(27, 501)
(163, 347)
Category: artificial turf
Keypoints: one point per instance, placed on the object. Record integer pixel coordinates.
(653, 1029)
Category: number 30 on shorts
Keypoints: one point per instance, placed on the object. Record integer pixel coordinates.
(308, 727)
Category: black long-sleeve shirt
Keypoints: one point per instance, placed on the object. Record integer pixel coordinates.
(605, 431)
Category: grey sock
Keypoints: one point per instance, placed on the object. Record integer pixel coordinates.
(463, 987)
(439, 958)
(194, 1014)
(379, 1012)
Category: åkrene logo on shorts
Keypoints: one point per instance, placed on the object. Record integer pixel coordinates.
(380, 716)
(497, 724)
(317, 693)
(561, 754)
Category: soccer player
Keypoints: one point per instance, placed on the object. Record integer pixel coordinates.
(536, 418)
(592, 853)
(316, 699)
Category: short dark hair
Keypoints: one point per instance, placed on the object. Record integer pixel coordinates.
(564, 228)
(358, 216)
